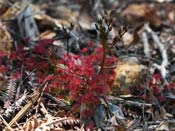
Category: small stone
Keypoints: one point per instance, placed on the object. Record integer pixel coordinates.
(129, 74)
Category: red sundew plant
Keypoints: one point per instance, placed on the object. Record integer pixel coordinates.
(81, 81)
(82, 78)
(3, 67)
(155, 83)
(40, 58)
(158, 89)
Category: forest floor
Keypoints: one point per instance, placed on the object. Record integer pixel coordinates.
(87, 65)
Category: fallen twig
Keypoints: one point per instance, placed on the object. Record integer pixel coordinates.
(128, 102)
(146, 44)
(6, 124)
(159, 121)
(23, 111)
(163, 51)
(61, 103)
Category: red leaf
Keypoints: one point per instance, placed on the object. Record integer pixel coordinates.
(16, 75)
(2, 54)
(3, 69)
(84, 50)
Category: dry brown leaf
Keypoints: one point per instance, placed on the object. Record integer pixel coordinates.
(10, 13)
(47, 35)
(163, 126)
(60, 11)
(85, 21)
(127, 39)
(32, 124)
(18, 7)
(56, 123)
(5, 39)
(171, 16)
(3, 6)
(142, 13)
(46, 20)
(65, 13)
